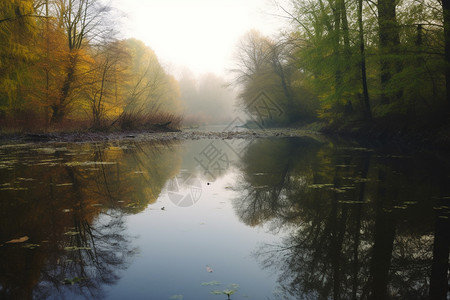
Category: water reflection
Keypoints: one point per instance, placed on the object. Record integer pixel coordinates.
(355, 223)
(70, 205)
(360, 224)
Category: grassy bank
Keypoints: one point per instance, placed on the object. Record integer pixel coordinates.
(126, 122)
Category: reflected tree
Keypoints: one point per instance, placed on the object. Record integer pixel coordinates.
(359, 223)
(71, 204)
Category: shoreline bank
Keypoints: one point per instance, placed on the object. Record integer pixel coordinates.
(439, 139)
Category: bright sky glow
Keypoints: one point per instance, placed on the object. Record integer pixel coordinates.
(198, 34)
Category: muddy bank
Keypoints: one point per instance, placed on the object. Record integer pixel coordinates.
(86, 137)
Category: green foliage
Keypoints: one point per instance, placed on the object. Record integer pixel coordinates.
(266, 65)
(321, 61)
(17, 28)
(232, 288)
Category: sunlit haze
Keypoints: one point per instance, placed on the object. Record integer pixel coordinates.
(200, 35)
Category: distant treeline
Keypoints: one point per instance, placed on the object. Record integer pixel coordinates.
(60, 62)
(347, 61)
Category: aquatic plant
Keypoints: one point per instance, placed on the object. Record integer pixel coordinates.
(232, 288)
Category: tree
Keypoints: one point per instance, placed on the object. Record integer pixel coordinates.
(82, 22)
(148, 90)
(325, 54)
(102, 87)
(446, 21)
(389, 40)
(365, 101)
(17, 27)
(267, 66)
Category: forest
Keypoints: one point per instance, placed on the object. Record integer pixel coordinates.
(349, 65)
(60, 65)
(353, 65)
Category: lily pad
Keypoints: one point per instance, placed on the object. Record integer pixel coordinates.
(320, 185)
(31, 246)
(71, 233)
(210, 283)
(73, 280)
(64, 184)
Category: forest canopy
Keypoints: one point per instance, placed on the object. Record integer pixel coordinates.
(339, 62)
(344, 61)
(60, 62)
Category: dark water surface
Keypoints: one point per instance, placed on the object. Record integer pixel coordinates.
(286, 218)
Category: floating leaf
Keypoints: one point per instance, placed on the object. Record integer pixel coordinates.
(232, 288)
(46, 150)
(216, 292)
(19, 240)
(64, 184)
(31, 246)
(347, 187)
(229, 292)
(320, 185)
(210, 283)
(25, 179)
(73, 280)
(71, 233)
(180, 297)
(261, 187)
(14, 189)
(115, 148)
(361, 180)
(400, 207)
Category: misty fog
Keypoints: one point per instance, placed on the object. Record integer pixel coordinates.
(206, 99)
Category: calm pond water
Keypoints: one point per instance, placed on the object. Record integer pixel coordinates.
(281, 218)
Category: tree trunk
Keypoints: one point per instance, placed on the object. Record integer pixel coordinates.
(58, 108)
(383, 243)
(439, 269)
(389, 40)
(440, 266)
(336, 46)
(365, 100)
(446, 12)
